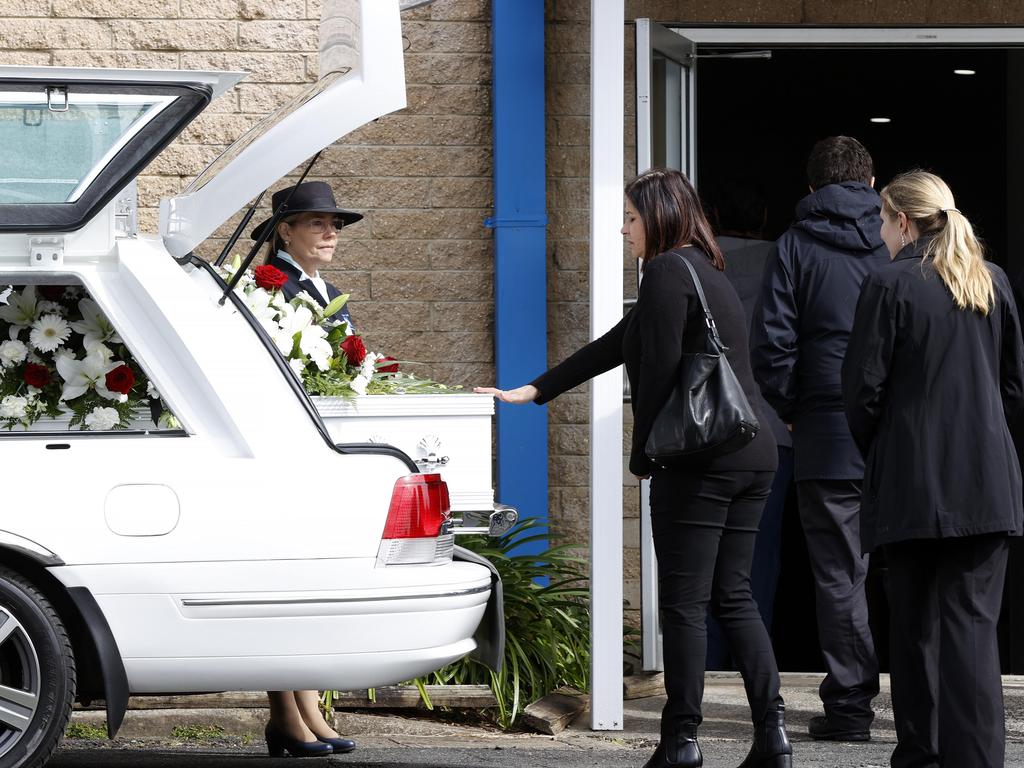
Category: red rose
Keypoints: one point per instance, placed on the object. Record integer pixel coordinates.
(52, 292)
(269, 278)
(391, 367)
(36, 375)
(121, 379)
(354, 350)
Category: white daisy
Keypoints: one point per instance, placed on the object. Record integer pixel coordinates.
(49, 332)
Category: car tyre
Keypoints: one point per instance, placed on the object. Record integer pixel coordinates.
(37, 674)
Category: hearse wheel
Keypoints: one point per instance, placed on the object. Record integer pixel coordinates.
(37, 674)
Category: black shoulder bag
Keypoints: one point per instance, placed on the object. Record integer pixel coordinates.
(707, 414)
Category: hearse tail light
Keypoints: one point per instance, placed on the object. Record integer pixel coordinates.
(418, 529)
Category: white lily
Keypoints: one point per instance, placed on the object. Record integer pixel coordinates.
(88, 373)
(313, 342)
(258, 302)
(298, 365)
(291, 323)
(358, 384)
(94, 325)
(20, 311)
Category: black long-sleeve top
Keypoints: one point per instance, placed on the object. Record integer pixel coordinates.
(667, 320)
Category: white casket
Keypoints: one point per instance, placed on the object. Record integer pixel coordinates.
(448, 433)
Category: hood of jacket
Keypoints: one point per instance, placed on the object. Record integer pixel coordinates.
(842, 215)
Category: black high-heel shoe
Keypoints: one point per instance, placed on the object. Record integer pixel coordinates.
(340, 745)
(278, 742)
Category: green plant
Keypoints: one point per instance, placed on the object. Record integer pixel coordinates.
(80, 730)
(197, 732)
(547, 623)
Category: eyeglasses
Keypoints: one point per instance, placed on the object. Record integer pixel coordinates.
(319, 224)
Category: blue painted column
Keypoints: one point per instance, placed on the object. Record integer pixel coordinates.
(520, 260)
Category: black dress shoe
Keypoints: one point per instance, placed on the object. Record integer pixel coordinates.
(771, 747)
(678, 748)
(823, 729)
(339, 745)
(278, 743)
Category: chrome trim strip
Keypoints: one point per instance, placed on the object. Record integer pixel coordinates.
(214, 601)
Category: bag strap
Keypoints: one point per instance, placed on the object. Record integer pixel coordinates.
(709, 319)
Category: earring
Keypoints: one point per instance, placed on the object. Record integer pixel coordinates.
(289, 242)
(903, 240)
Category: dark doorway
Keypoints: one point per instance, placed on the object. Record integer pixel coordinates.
(757, 119)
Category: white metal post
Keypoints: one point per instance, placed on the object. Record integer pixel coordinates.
(607, 86)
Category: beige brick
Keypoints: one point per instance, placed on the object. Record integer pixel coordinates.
(571, 69)
(217, 128)
(568, 162)
(631, 596)
(568, 99)
(423, 130)
(631, 503)
(569, 408)
(341, 160)
(22, 34)
(895, 12)
(571, 470)
(569, 10)
(153, 188)
(568, 225)
(260, 67)
(447, 37)
(262, 99)
(278, 35)
(441, 224)
(572, 131)
(462, 193)
(116, 9)
(389, 316)
(21, 8)
(477, 316)
(28, 58)
(448, 68)
(174, 35)
(568, 37)
(571, 440)
(356, 284)
(461, 10)
(449, 99)
(374, 255)
(571, 254)
(429, 346)
(272, 9)
(434, 285)
(571, 197)
(473, 255)
(361, 193)
(465, 375)
(121, 59)
(209, 9)
(183, 159)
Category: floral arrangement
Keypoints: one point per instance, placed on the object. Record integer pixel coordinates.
(60, 355)
(324, 352)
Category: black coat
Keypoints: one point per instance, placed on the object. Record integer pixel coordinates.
(295, 286)
(927, 389)
(803, 319)
(667, 320)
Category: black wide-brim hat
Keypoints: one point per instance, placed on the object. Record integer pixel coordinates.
(309, 197)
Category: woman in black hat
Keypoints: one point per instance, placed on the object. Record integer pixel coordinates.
(305, 239)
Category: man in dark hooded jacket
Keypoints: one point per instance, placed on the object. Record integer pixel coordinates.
(798, 340)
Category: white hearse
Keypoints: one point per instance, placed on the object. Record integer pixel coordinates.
(236, 545)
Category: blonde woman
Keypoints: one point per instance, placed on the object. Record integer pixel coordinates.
(934, 366)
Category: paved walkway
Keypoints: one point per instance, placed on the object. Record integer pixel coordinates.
(395, 739)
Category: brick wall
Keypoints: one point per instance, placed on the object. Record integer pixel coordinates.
(419, 266)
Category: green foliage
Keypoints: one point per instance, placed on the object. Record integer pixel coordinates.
(547, 628)
(80, 730)
(197, 732)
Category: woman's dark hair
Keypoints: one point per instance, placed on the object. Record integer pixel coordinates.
(838, 159)
(671, 214)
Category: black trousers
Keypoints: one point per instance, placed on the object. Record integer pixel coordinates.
(947, 696)
(829, 514)
(705, 526)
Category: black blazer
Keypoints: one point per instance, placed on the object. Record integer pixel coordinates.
(295, 286)
(666, 320)
(928, 389)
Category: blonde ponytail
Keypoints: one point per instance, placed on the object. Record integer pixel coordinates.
(956, 254)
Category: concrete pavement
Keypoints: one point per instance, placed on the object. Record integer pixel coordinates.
(394, 739)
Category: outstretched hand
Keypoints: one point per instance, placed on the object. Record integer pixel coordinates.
(525, 394)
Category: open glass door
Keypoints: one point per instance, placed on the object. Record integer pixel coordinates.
(665, 80)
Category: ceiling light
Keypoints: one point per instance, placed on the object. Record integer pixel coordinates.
(881, 120)
(963, 71)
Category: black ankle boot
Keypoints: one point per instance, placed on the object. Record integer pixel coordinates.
(771, 747)
(678, 747)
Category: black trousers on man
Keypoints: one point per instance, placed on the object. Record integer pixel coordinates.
(705, 527)
(829, 513)
(947, 696)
